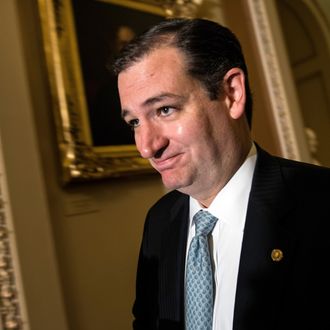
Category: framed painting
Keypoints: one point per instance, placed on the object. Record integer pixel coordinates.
(81, 38)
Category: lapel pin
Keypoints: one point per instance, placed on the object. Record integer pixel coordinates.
(277, 255)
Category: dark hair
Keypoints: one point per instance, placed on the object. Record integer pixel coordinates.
(211, 51)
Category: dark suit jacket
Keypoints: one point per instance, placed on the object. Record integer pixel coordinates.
(289, 209)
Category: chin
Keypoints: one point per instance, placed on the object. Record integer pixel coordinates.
(175, 183)
(171, 186)
(170, 183)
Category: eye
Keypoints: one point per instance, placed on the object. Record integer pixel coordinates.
(165, 111)
(133, 123)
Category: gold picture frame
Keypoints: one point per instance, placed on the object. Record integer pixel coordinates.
(70, 85)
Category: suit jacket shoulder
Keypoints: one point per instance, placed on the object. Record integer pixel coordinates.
(288, 212)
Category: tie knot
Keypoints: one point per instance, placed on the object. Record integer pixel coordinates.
(204, 222)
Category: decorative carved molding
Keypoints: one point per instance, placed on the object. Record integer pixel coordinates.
(11, 300)
(274, 80)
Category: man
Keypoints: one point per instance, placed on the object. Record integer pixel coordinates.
(184, 90)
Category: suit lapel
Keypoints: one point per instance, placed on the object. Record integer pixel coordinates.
(262, 269)
(172, 262)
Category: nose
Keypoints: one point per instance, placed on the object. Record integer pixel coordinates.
(150, 141)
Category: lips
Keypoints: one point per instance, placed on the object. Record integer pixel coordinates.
(166, 163)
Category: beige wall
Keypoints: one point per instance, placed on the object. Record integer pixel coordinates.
(25, 181)
(78, 270)
(77, 245)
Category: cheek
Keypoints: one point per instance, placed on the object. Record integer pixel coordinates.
(184, 134)
(180, 130)
(186, 130)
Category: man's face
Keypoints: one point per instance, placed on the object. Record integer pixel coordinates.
(177, 127)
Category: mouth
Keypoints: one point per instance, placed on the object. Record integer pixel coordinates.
(167, 163)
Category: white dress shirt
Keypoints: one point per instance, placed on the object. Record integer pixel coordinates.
(229, 206)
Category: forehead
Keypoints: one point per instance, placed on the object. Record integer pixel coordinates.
(160, 63)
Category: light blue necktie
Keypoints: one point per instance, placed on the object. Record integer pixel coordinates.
(199, 296)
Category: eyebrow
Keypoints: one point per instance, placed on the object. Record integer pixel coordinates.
(152, 100)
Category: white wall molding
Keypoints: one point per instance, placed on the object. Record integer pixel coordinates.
(13, 307)
(278, 79)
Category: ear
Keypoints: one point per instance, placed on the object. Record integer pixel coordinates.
(234, 90)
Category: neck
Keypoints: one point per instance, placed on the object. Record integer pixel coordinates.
(207, 196)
